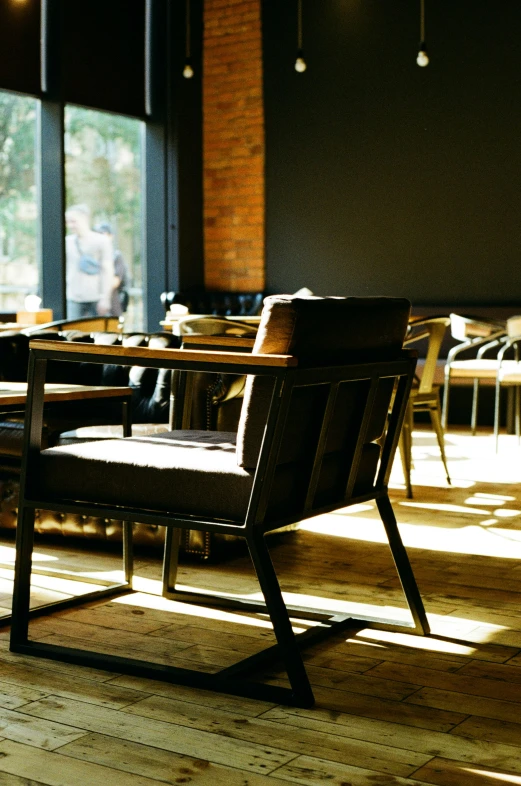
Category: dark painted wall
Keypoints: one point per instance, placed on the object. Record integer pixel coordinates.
(386, 178)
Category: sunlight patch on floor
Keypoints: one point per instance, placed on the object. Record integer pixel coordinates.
(481, 524)
(147, 601)
(449, 629)
(8, 554)
(445, 534)
(501, 777)
(469, 458)
(481, 498)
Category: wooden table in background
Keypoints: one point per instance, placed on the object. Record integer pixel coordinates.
(13, 396)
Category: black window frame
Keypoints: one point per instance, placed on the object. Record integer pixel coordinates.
(171, 156)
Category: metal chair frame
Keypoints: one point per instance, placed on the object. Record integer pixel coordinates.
(483, 344)
(514, 343)
(287, 376)
(61, 605)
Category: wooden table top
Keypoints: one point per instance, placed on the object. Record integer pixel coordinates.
(198, 340)
(15, 393)
(14, 326)
(172, 321)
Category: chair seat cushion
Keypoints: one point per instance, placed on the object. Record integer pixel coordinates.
(485, 368)
(189, 472)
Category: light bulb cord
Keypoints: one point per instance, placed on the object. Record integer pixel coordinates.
(187, 30)
(299, 26)
(422, 21)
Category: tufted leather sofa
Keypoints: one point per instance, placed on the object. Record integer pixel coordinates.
(217, 401)
(150, 410)
(204, 301)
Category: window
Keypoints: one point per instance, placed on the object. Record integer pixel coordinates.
(18, 203)
(103, 188)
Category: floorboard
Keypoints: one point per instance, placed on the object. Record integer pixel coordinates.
(392, 709)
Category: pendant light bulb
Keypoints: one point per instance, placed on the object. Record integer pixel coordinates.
(300, 63)
(188, 71)
(423, 58)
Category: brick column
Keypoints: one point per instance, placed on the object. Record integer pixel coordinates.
(233, 145)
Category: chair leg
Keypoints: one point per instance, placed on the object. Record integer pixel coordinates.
(474, 417)
(445, 410)
(436, 424)
(171, 560)
(405, 448)
(406, 465)
(518, 412)
(22, 575)
(403, 566)
(496, 412)
(128, 551)
(286, 640)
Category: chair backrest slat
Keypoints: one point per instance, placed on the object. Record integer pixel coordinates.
(321, 437)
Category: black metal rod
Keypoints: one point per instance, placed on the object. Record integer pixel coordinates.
(44, 43)
(306, 639)
(148, 86)
(157, 671)
(269, 449)
(394, 429)
(288, 647)
(171, 560)
(368, 411)
(128, 552)
(403, 566)
(321, 446)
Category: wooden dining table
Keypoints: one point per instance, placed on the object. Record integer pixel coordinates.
(13, 399)
(13, 395)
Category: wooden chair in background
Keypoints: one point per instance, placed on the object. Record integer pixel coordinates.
(425, 393)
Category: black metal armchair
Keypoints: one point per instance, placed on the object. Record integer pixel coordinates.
(314, 436)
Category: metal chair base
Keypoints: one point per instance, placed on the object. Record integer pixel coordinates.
(230, 680)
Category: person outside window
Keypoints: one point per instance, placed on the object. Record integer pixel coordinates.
(90, 266)
(119, 297)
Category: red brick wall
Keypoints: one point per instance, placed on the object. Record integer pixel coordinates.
(233, 145)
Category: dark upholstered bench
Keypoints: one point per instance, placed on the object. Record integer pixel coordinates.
(150, 411)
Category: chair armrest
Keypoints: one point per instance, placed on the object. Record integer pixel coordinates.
(508, 343)
(225, 343)
(474, 343)
(465, 327)
(188, 359)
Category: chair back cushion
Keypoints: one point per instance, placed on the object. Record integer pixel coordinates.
(319, 332)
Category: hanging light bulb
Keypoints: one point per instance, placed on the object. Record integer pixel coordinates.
(422, 58)
(188, 71)
(300, 63)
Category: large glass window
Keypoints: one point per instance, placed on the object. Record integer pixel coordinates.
(18, 203)
(103, 215)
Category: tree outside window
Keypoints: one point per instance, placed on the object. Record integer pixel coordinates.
(18, 204)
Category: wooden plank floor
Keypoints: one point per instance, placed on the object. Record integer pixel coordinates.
(391, 708)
